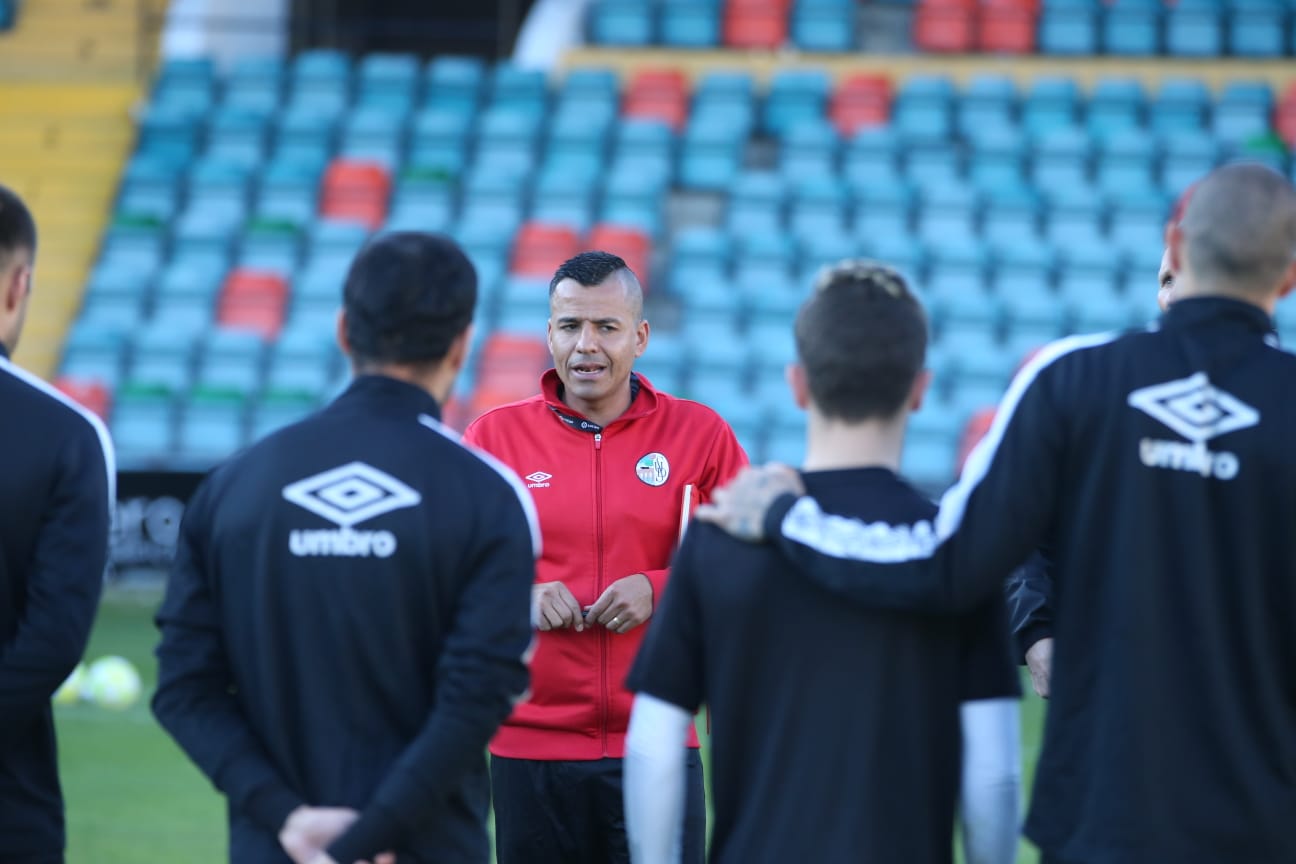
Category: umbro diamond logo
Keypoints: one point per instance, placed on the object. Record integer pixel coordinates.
(347, 496)
(1195, 409)
(1198, 411)
(538, 480)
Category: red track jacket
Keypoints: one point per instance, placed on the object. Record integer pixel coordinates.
(610, 505)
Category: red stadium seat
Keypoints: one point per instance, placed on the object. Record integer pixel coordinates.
(539, 248)
(1284, 117)
(658, 94)
(254, 283)
(357, 192)
(672, 81)
(511, 349)
(630, 243)
(1006, 28)
(945, 29)
(265, 318)
(760, 24)
(861, 101)
(619, 240)
(253, 300)
(670, 109)
(88, 393)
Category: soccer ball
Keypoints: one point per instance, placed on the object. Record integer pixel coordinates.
(71, 690)
(112, 682)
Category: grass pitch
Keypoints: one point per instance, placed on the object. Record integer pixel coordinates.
(131, 794)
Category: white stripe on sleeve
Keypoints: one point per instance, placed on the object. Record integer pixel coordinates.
(523, 496)
(105, 440)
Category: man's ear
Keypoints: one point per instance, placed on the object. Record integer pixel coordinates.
(795, 375)
(918, 391)
(16, 288)
(341, 334)
(642, 332)
(1174, 244)
(1289, 281)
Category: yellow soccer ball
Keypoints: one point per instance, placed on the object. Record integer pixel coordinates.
(72, 690)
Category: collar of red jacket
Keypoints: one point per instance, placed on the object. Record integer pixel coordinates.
(643, 401)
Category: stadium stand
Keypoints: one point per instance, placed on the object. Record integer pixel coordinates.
(1023, 206)
(1124, 28)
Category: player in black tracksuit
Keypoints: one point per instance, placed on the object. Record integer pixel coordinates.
(347, 617)
(56, 491)
(1163, 465)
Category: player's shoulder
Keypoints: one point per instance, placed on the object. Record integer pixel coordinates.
(59, 417)
(476, 463)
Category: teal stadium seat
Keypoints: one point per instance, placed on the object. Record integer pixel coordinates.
(795, 97)
(630, 23)
(824, 25)
(690, 23)
(143, 426)
(1132, 28)
(1260, 28)
(1195, 28)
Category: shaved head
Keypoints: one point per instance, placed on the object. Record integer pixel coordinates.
(1239, 231)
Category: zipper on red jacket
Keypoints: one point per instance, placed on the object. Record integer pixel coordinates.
(603, 633)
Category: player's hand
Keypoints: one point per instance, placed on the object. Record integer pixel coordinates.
(308, 831)
(553, 607)
(627, 603)
(1039, 660)
(740, 506)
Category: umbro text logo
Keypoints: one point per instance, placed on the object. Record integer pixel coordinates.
(347, 496)
(1193, 408)
(538, 480)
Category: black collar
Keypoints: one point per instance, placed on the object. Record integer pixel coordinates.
(1191, 311)
(382, 391)
(578, 422)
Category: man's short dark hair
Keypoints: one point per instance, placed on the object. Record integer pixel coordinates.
(595, 268)
(17, 227)
(407, 297)
(862, 339)
(588, 269)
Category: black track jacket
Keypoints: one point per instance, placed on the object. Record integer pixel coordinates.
(345, 625)
(57, 479)
(1163, 464)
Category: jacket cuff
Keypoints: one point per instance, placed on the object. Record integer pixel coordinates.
(1029, 635)
(376, 831)
(775, 515)
(271, 805)
(658, 579)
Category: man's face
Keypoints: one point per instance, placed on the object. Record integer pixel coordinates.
(595, 334)
(1165, 283)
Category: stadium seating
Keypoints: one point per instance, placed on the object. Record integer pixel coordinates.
(1076, 28)
(1019, 211)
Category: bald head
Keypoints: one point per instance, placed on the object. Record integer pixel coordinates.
(1238, 233)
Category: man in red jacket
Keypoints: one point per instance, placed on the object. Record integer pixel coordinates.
(612, 464)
